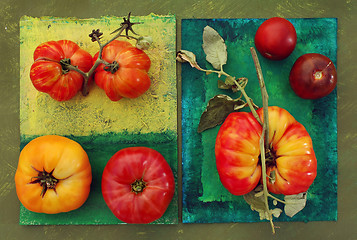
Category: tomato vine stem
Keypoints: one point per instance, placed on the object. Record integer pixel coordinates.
(240, 88)
(127, 26)
(264, 139)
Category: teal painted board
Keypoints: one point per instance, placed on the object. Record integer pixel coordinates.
(205, 200)
(100, 148)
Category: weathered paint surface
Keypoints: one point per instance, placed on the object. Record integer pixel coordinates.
(100, 125)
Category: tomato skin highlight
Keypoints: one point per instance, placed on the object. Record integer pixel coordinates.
(138, 164)
(131, 79)
(275, 38)
(70, 165)
(46, 72)
(294, 162)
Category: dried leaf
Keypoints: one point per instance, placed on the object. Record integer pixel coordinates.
(294, 203)
(187, 56)
(229, 83)
(256, 201)
(218, 108)
(223, 85)
(214, 47)
(276, 212)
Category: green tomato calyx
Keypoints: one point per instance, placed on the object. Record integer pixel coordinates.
(138, 186)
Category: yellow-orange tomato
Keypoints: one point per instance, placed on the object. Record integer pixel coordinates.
(291, 162)
(53, 175)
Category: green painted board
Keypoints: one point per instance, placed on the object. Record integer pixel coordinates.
(205, 200)
(101, 126)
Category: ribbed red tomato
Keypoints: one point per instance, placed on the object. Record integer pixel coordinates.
(126, 74)
(291, 161)
(49, 72)
(138, 185)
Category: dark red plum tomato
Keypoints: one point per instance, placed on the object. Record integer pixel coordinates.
(275, 38)
(313, 76)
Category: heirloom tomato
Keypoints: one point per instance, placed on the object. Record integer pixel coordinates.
(276, 38)
(138, 185)
(290, 159)
(126, 74)
(50, 74)
(53, 175)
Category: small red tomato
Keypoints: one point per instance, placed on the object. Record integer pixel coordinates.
(49, 72)
(275, 38)
(138, 185)
(126, 74)
(313, 76)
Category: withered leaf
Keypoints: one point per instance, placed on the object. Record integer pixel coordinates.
(255, 199)
(294, 203)
(214, 47)
(187, 56)
(217, 110)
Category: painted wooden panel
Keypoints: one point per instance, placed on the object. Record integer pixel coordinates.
(205, 200)
(101, 126)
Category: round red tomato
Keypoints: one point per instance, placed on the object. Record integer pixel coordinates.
(138, 185)
(49, 72)
(275, 38)
(53, 175)
(126, 74)
(291, 162)
(313, 76)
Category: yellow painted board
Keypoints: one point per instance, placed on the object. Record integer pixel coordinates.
(100, 125)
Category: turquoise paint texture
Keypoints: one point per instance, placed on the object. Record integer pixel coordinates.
(205, 200)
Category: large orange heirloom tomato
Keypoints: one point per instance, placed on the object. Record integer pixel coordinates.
(126, 74)
(291, 162)
(53, 175)
(50, 73)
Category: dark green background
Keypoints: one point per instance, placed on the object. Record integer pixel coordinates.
(345, 11)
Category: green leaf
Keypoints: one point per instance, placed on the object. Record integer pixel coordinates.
(294, 203)
(214, 47)
(218, 108)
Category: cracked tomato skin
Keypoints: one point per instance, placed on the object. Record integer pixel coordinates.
(238, 153)
(128, 166)
(70, 166)
(47, 74)
(131, 79)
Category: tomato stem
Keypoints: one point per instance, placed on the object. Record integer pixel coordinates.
(240, 88)
(318, 75)
(112, 67)
(138, 186)
(264, 139)
(66, 67)
(65, 64)
(46, 180)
